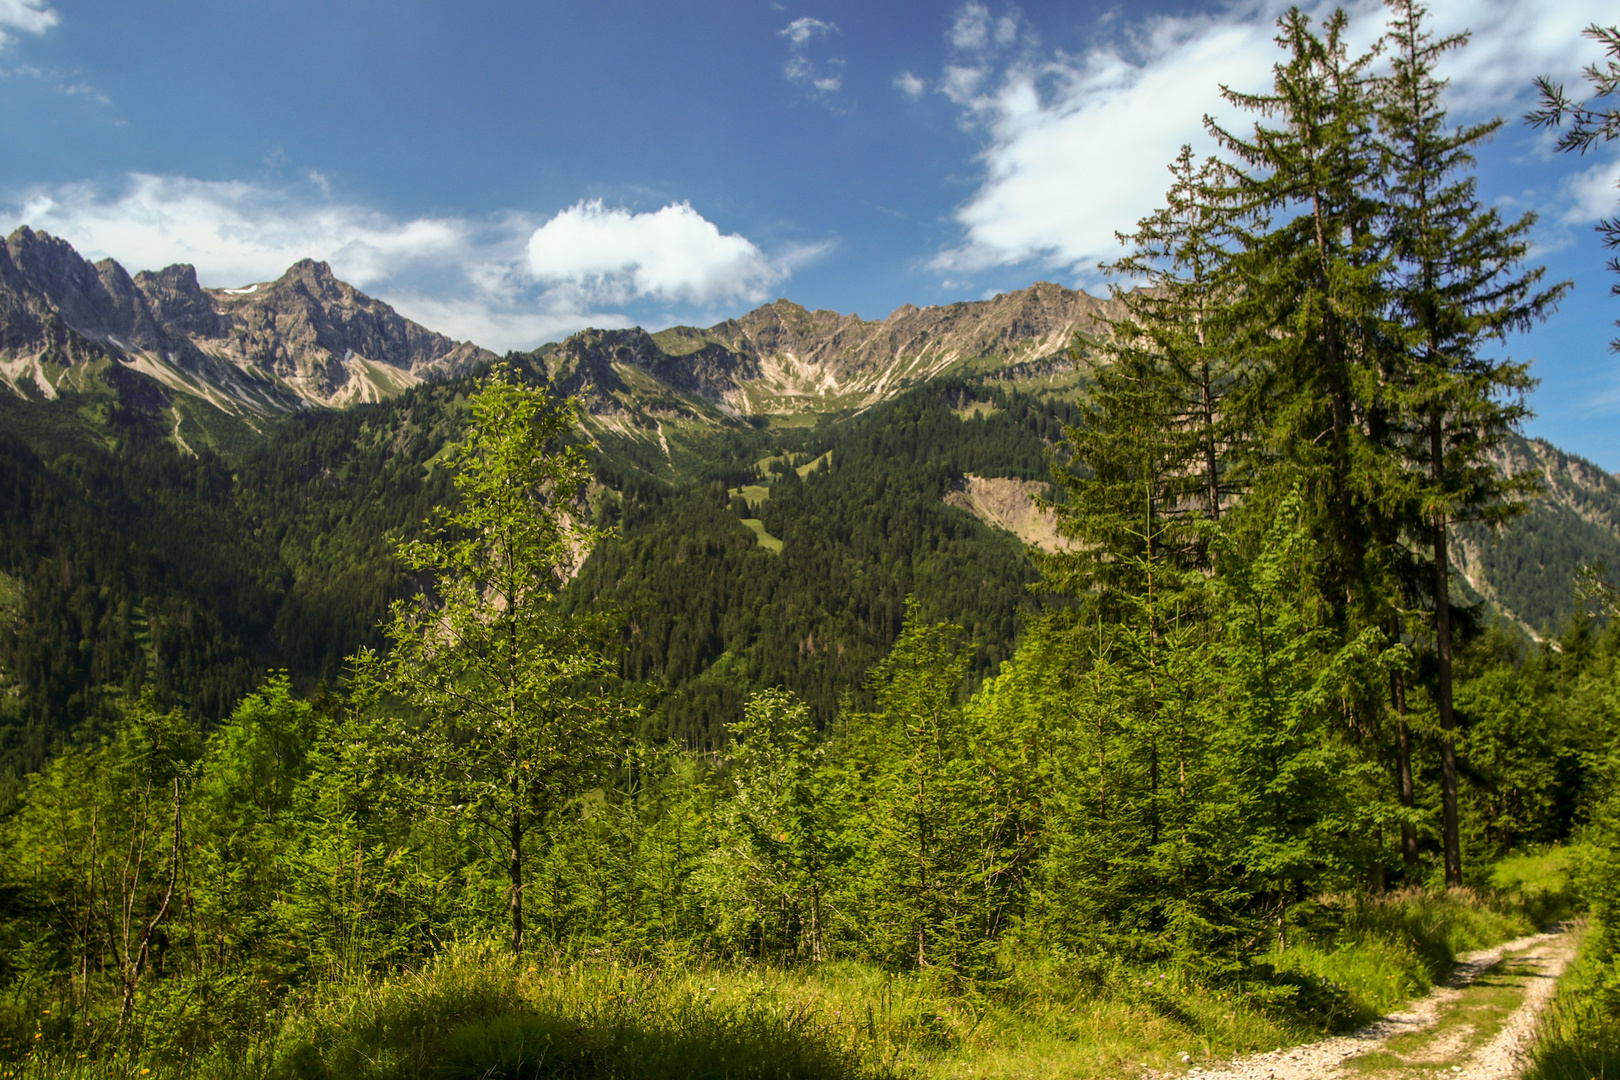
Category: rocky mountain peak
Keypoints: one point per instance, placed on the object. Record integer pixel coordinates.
(784, 358)
(178, 301)
(317, 279)
(307, 337)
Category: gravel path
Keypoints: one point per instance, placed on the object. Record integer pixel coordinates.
(1507, 1054)
(1546, 955)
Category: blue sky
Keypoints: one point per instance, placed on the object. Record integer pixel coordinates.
(512, 172)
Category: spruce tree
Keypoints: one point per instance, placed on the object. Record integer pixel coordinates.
(772, 865)
(1309, 289)
(929, 904)
(1173, 360)
(1283, 675)
(1457, 282)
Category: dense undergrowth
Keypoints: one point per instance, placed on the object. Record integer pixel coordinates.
(475, 1012)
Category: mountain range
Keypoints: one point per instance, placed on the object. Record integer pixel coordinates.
(297, 381)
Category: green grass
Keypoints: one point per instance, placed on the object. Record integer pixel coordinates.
(1466, 1025)
(813, 464)
(1379, 952)
(474, 1013)
(766, 540)
(753, 494)
(976, 410)
(1540, 876)
(1579, 1037)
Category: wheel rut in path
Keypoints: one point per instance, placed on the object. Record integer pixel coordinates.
(1479, 1025)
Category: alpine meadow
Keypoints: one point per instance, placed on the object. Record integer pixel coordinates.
(1039, 686)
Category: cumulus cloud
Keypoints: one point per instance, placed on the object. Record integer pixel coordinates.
(800, 32)
(823, 77)
(510, 282)
(501, 328)
(1075, 144)
(672, 254)
(1592, 193)
(24, 16)
(235, 232)
(909, 85)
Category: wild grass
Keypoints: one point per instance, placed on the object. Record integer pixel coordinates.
(1370, 954)
(474, 1012)
(1579, 1036)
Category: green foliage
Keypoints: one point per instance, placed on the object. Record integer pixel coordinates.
(515, 722)
(931, 900)
(861, 811)
(711, 617)
(772, 865)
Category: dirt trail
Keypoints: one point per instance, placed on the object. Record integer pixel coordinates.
(1478, 1026)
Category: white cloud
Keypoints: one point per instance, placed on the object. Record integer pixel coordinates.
(1512, 42)
(962, 84)
(501, 329)
(909, 85)
(1593, 193)
(799, 32)
(511, 282)
(235, 232)
(824, 77)
(1076, 145)
(975, 30)
(672, 254)
(24, 16)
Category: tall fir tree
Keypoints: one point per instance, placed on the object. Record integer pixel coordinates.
(1457, 282)
(1309, 283)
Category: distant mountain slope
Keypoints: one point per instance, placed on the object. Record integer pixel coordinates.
(781, 359)
(308, 339)
(269, 348)
(1527, 570)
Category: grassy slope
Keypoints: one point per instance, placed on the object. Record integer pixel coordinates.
(1580, 1033)
(1579, 1038)
(473, 1013)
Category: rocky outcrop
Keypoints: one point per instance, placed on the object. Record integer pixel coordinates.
(1010, 504)
(307, 328)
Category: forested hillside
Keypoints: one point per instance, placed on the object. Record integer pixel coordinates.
(651, 705)
(191, 577)
(715, 614)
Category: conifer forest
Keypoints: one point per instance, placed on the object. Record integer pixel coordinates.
(442, 737)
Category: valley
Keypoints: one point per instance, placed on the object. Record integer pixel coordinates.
(203, 487)
(319, 412)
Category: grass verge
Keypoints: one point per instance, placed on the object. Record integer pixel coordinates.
(1579, 1035)
(473, 1012)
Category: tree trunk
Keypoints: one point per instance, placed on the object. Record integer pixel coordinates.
(1442, 635)
(135, 966)
(1409, 851)
(515, 870)
(1212, 481)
